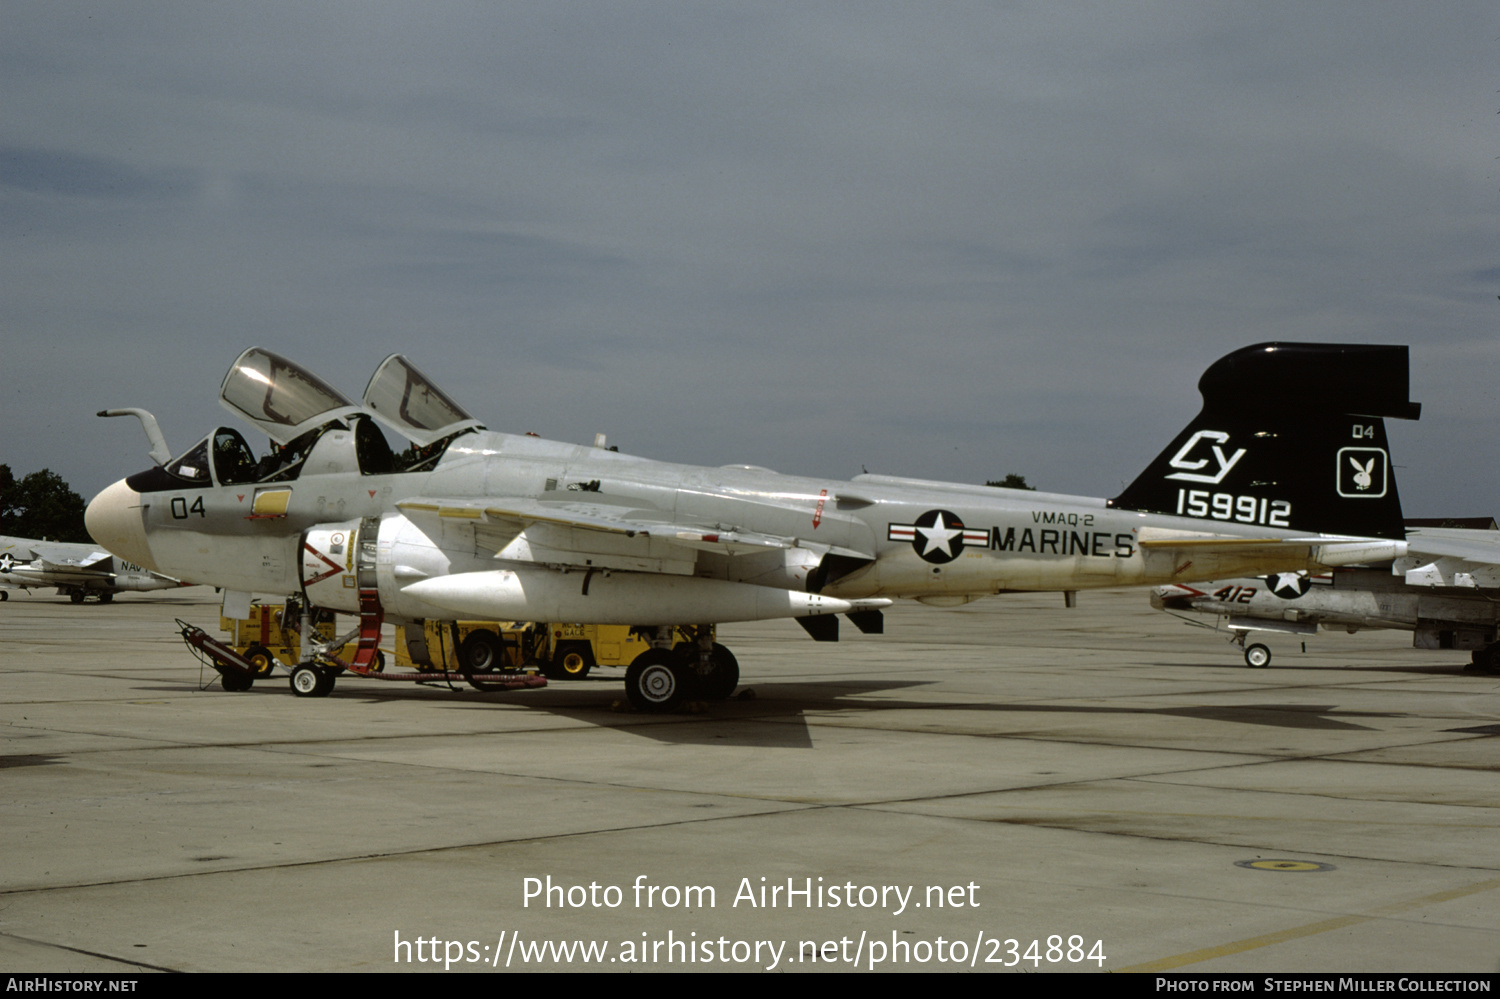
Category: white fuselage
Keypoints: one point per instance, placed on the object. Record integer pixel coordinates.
(940, 542)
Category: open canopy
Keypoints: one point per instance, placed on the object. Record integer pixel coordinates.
(405, 400)
(283, 400)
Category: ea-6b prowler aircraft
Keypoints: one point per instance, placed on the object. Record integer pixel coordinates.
(1285, 468)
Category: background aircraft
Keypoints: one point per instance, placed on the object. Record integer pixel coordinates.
(78, 571)
(1445, 590)
(1276, 473)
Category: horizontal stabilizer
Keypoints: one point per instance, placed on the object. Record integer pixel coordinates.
(1473, 546)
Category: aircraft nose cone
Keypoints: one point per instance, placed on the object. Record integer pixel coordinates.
(114, 520)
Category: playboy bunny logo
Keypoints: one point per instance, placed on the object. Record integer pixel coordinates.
(1362, 474)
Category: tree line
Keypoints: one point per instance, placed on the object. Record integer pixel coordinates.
(40, 506)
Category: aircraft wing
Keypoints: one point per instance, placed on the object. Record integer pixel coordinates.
(94, 569)
(15, 551)
(585, 533)
(1456, 557)
(67, 555)
(1473, 546)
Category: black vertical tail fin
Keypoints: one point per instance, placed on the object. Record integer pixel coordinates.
(1291, 437)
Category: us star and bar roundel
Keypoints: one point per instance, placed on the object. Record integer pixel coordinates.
(938, 536)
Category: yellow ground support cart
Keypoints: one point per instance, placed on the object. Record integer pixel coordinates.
(480, 646)
(563, 651)
(260, 638)
(571, 650)
(269, 636)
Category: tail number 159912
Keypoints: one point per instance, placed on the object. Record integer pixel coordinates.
(1227, 506)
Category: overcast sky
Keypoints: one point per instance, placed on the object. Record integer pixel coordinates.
(942, 240)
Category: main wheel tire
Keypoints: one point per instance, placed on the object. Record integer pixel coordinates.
(656, 681)
(721, 680)
(106, 597)
(310, 681)
(571, 661)
(1258, 656)
(260, 657)
(236, 682)
(479, 654)
(76, 596)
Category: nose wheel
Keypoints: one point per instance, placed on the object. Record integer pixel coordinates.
(1257, 655)
(311, 681)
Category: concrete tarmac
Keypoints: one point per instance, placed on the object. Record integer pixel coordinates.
(1010, 785)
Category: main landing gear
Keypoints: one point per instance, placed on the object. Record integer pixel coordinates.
(656, 681)
(78, 596)
(663, 678)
